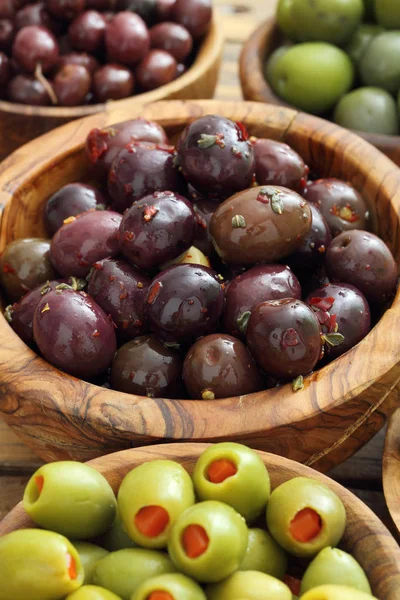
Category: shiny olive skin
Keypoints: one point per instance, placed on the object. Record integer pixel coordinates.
(295, 495)
(195, 15)
(365, 261)
(264, 555)
(163, 483)
(278, 164)
(173, 38)
(140, 169)
(127, 38)
(89, 554)
(69, 201)
(123, 571)
(360, 40)
(24, 89)
(204, 210)
(284, 337)
(184, 302)
(311, 253)
(251, 476)
(92, 592)
(178, 586)
(285, 18)
(333, 566)
(380, 64)
(33, 14)
(113, 82)
(227, 535)
(144, 366)
(33, 45)
(64, 315)
(251, 585)
(157, 68)
(71, 85)
(87, 239)
(341, 205)
(352, 315)
(262, 224)
(216, 156)
(86, 32)
(368, 109)
(80, 58)
(45, 576)
(157, 229)
(220, 366)
(24, 265)
(246, 291)
(336, 592)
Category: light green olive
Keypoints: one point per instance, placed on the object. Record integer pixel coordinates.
(360, 41)
(387, 13)
(38, 565)
(70, 498)
(92, 592)
(333, 566)
(269, 67)
(380, 64)
(178, 586)
(336, 592)
(250, 585)
(116, 537)
(285, 18)
(264, 554)
(89, 554)
(312, 76)
(368, 109)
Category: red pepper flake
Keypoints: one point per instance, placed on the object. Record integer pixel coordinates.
(153, 292)
(112, 277)
(190, 302)
(322, 316)
(322, 249)
(83, 263)
(131, 148)
(96, 144)
(166, 148)
(132, 375)
(112, 176)
(96, 333)
(129, 236)
(8, 269)
(140, 285)
(243, 135)
(322, 303)
(138, 323)
(204, 310)
(289, 338)
(368, 267)
(128, 188)
(149, 213)
(98, 266)
(263, 196)
(123, 296)
(332, 325)
(125, 324)
(303, 183)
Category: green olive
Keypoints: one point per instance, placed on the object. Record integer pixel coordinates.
(247, 490)
(38, 565)
(269, 68)
(264, 554)
(250, 585)
(312, 76)
(124, 570)
(70, 498)
(336, 592)
(116, 537)
(92, 592)
(158, 490)
(368, 109)
(387, 13)
(380, 64)
(360, 41)
(333, 566)
(202, 535)
(285, 18)
(178, 586)
(301, 498)
(89, 555)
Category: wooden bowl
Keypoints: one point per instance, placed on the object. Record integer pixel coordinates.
(391, 468)
(366, 538)
(341, 406)
(20, 123)
(258, 47)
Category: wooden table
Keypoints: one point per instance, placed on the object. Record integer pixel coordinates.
(363, 473)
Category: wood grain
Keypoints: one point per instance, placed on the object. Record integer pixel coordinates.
(365, 537)
(391, 468)
(255, 52)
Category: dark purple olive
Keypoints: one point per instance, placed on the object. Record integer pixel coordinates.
(70, 200)
(340, 204)
(7, 9)
(24, 89)
(7, 31)
(120, 290)
(312, 251)
(34, 45)
(140, 169)
(87, 239)
(340, 309)
(146, 9)
(113, 82)
(219, 366)
(127, 38)
(246, 291)
(157, 68)
(173, 38)
(278, 164)
(87, 30)
(195, 15)
(284, 337)
(157, 229)
(363, 260)
(164, 9)
(204, 210)
(101, 5)
(66, 9)
(80, 58)
(4, 69)
(71, 85)
(184, 302)
(73, 333)
(24, 265)
(33, 14)
(146, 367)
(216, 156)
(102, 145)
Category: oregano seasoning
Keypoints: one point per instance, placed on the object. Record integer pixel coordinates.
(243, 321)
(333, 339)
(208, 395)
(206, 141)
(298, 383)
(238, 222)
(149, 213)
(277, 203)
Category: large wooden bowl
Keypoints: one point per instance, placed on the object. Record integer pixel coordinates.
(391, 468)
(341, 406)
(366, 538)
(20, 123)
(256, 49)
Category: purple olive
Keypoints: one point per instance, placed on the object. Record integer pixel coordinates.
(120, 290)
(216, 156)
(81, 59)
(127, 39)
(220, 366)
(312, 251)
(157, 68)
(184, 302)
(284, 337)
(173, 38)
(24, 89)
(195, 15)
(87, 239)
(246, 291)
(278, 164)
(86, 32)
(363, 260)
(73, 333)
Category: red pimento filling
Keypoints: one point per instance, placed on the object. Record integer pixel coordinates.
(71, 567)
(151, 521)
(39, 480)
(195, 541)
(219, 470)
(293, 584)
(306, 525)
(243, 135)
(97, 144)
(160, 595)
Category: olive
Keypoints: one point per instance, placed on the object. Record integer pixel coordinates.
(263, 554)
(360, 40)
(273, 59)
(336, 592)
(86, 32)
(173, 38)
(24, 89)
(80, 58)
(89, 554)
(157, 68)
(284, 16)
(127, 38)
(368, 109)
(164, 9)
(71, 85)
(387, 13)
(195, 15)
(113, 82)
(278, 164)
(171, 585)
(35, 45)
(311, 253)
(92, 592)
(251, 585)
(380, 64)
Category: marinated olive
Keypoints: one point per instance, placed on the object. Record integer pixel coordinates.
(157, 68)
(80, 58)
(173, 38)
(202, 534)
(224, 470)
(365, 261)
(360, 40)
(380, 64)
(304, 516)
(195, 15)
(71, 85)
(250, 585)
(174, 585)
(24, 89)
(260, 224)
(92, 592)
(33, 14)
(86, 32)
(368, 109)
(89, 554)
(113, 82)
(336, 592)
(311, 253)
(35, 45)
(263, 554)
(127, 38)
(278, 164)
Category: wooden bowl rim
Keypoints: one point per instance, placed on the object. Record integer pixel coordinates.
(208, 54)
(256, 88)
(391, 468)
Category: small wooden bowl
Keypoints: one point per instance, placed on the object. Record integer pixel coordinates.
(366, 538)
(256, 50)
(20, 123)
(391, 468)
(341, 406)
